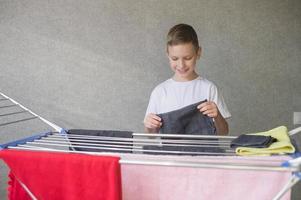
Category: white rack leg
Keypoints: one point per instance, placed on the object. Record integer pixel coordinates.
(293, 180)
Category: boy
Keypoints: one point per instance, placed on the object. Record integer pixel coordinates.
(186, 87)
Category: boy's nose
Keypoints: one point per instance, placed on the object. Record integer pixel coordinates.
(181, 64)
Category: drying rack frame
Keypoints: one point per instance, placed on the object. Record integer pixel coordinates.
(293, 165)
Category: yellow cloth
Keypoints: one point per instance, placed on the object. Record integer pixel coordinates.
(282, 146)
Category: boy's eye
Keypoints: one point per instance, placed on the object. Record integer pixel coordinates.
(188, 58)
(174, 59)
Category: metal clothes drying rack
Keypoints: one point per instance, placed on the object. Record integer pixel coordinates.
(60, 141)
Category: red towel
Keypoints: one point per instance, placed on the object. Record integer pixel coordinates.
(66, 176)
(15, 190)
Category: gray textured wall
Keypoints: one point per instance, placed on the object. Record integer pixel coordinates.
(92, 64)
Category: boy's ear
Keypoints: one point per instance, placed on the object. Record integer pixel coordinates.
(199, 53)
(167, 53)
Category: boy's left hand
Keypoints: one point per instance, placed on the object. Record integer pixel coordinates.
(209, 108)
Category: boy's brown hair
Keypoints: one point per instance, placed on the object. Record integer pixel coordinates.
(181, 34)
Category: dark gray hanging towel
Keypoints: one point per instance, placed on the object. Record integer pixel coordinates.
(98, 142)
(187, 120)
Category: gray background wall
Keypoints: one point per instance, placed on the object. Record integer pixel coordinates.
(93, 64)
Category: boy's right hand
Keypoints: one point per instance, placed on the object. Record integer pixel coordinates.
(152, 121)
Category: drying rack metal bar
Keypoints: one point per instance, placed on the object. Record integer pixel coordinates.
(8, 106)
(184, 136)
(17, 121)
(83, 145)
(291, 133)
(27, 190)
(15, 103)
(133, 149)
(152, 141)
(295, 131)
(29, 147)
(291, 182)
(200, 141)
(232, 166)
(13, 113)
(95, 143)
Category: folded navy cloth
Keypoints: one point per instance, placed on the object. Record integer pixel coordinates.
(106, 133)
(187, 120)
(255, 141)
(182, 150)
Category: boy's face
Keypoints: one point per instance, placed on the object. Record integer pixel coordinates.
(182, 60)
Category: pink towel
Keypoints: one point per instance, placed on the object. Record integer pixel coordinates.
(178, 183)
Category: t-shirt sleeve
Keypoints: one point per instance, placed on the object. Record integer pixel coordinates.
(153, 103)
(216, 97)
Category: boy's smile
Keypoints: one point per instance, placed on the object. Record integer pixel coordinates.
(182, 60)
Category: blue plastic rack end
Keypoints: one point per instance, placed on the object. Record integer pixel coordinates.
(24, 140)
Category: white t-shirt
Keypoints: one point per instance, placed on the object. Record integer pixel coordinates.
(173, 95)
